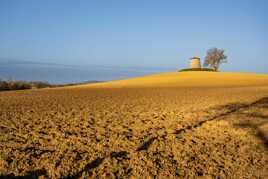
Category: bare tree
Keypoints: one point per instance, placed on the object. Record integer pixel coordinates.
(214, 58)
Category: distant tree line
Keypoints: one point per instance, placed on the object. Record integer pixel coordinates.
(7, 85)
(21, 85)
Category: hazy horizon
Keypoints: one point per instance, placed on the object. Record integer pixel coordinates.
(62, 74)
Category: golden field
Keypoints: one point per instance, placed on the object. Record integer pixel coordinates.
(189, 79)
(170, 125)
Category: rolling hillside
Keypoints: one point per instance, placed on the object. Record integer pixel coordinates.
(190, 79)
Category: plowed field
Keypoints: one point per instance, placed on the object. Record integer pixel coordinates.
(173, 125)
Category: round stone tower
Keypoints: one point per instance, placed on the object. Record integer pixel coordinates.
(195, 62)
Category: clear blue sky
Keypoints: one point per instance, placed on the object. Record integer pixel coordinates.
(138, 33)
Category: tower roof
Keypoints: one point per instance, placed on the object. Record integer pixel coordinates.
(195, 57)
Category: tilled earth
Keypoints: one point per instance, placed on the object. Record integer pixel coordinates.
(185, 132)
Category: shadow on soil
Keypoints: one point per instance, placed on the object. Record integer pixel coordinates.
(35, 174)
(260, 134)
(260, 120)
(146, 144)
(234, 108)
(94, 164)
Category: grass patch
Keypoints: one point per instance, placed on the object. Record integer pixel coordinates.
(197, 69)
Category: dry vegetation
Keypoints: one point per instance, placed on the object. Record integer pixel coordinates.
(22, 85)
(11, 85)
(166, 126)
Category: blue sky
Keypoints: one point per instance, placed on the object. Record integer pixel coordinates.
(135, 33)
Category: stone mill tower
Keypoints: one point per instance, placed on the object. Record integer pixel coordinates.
(195, 62)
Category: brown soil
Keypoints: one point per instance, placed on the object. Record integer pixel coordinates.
(176, 132)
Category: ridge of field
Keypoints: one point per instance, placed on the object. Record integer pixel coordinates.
(131, 129)
(188, 79)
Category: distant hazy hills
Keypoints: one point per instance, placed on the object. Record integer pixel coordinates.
(59, 73)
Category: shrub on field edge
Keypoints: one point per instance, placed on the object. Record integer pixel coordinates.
(197, 69)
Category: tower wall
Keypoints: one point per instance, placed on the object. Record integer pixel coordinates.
(195, 63)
